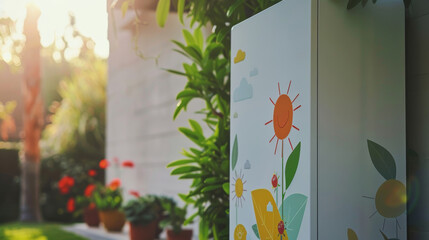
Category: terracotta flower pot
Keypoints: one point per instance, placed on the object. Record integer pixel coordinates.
(185, 234)
(143, 232)
(90, 216)
(113, 220)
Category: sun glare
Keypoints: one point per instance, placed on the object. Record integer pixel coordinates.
(90, 17)
(283, 117)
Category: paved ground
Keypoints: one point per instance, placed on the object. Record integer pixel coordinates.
(96, 233)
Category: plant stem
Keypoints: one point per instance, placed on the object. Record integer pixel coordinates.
(283, 183)
(236, 214)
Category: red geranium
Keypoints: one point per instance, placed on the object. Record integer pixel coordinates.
(128, 163)
(91, 205)
(115, 184)
(104, 164)
(71, 205)
(92, 173)
(65, 184)
(89, 189)
(135, 194)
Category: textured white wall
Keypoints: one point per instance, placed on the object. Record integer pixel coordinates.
(141, 103)
(418, 116)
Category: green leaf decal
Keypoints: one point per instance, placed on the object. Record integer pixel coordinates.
(292, 165)
(234, 155)
(382, 159)
(351, 235)
(293, 208)
(353, 3)
(162, 10)
(255, 230)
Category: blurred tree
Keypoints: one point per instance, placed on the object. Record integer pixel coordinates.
(33, 119)
(7, 125)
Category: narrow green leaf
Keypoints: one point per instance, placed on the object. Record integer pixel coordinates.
(180, 162)
(188, 37)
(196, 127)
(187, 93)
(211, 188)
(233, 7)
(162, 10)
(382, 160)
(255, 230)
(190, 134)
(199, 38)
(185, 169)
(234, 155)
(225, 187)
(292, 165)
(190, 176)
(190, 219)
(204, 230)
(180, 9)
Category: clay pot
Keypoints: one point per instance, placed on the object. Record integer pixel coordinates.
(185, 234)
(90, 216)
(113, 220)
(143, 232)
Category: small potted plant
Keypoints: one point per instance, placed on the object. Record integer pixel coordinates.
(87, 207)
(108, 200)
(142, 215)
(173, 222)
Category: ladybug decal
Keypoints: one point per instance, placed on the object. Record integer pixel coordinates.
(281, 229)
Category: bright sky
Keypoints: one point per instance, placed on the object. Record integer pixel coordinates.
(90, 15)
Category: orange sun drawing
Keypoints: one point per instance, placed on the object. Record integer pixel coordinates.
(283, 117)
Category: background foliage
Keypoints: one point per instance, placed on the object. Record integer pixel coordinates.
(74, 141)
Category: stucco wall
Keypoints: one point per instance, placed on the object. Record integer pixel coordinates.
(418, 116)
(141, 103)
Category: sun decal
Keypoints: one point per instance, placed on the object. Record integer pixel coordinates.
(239, 189)
(283, 117)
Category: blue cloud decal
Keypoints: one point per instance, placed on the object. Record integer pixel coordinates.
(243, 92)
(253, 72)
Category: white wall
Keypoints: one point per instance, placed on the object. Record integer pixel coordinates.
(418, 116)
(361, 88)
(141, 102)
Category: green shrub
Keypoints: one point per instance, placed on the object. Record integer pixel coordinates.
(74, 141)
(141, 211)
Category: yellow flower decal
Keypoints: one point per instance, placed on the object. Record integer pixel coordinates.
(240, 232)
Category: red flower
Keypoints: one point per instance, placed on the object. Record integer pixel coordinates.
(71, 205)
(91, 205)
(135, 194)
(104, 164)
(89, 189)
(115, 184)
(65, 184)
(128, 163)
(92, 173)
(64, 191)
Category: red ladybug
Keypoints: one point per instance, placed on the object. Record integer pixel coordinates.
(274, 181)
(281, 229)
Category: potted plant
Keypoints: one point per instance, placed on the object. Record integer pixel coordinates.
(174, 221)
(143, 217)
(108, 200)
(87, 207)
